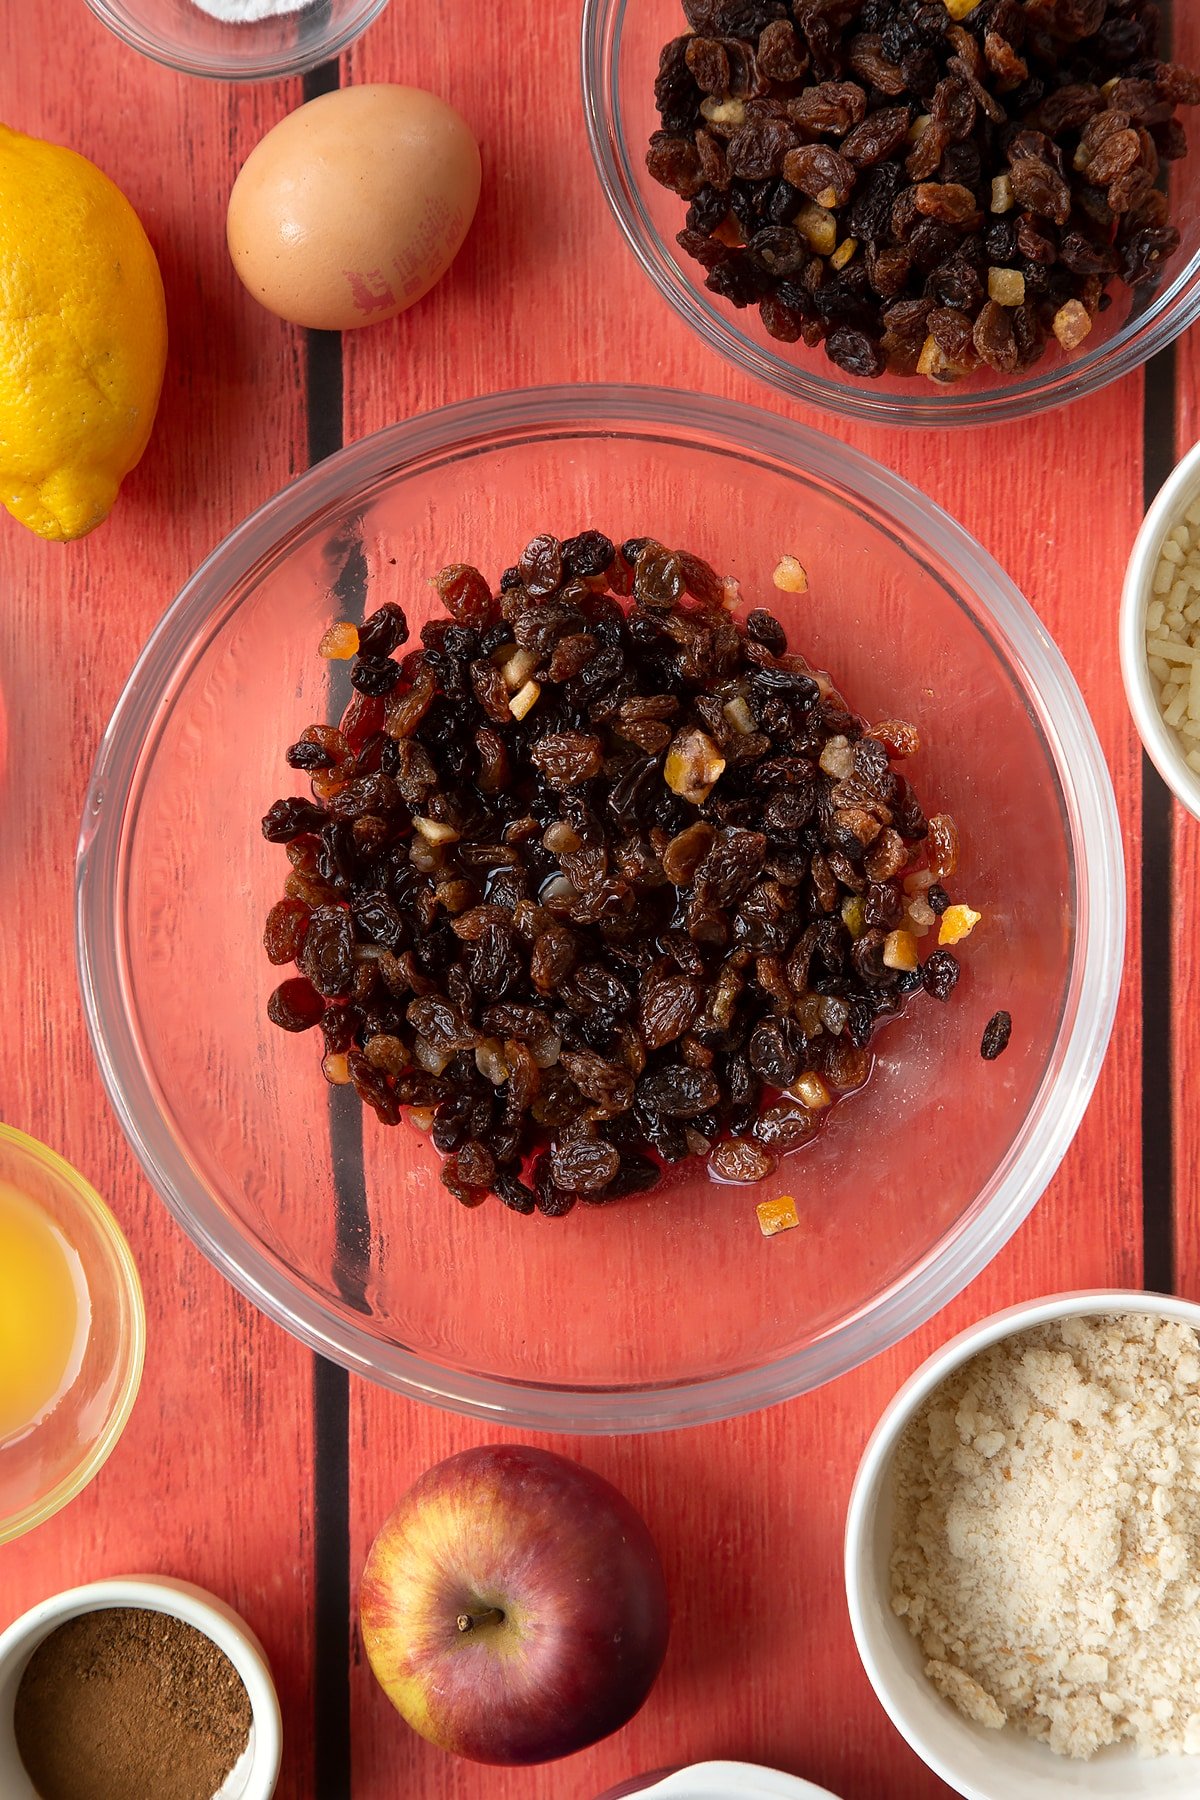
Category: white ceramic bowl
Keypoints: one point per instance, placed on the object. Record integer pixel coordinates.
(258, 1771)
(1162, 745)
(978, 1763)
(722, 1781)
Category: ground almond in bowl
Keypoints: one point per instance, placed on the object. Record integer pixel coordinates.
(1046, 1539)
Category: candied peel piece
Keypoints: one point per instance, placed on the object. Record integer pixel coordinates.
(958, 922)
(693, 766)
(790, 576)
(778, 1215)
(340, 642)
(1072, 323)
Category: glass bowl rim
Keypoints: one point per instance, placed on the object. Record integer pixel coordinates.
(299, 61)
(99, 1215)
(1174, 308)
(468, 427)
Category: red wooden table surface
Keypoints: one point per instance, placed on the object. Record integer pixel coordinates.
(247, 1466)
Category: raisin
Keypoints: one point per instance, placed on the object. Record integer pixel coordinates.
(375, 675)
(995, 343)
(759, 149)
(465, 594)
(940, 974)
(676, 93)
(568, 758)
(307, 756)
(785, 1126)
(943, 846)
(328, 955)
(541, 566)
(584, 1165)
(782, 56)
(708, 64)
(287, 819)
(679, 1092)
(879, 136)
(741, 1160)
(947, 201)
(820, 172)
(589, 554)
(295, 1006)
(666, 1009)
(287, 924)
(996, 1036)
(384, 631)
(1040, 189)
(855, 352)
(518, 1197)
(765, 629)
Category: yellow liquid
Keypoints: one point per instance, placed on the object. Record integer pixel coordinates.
(43, 1314)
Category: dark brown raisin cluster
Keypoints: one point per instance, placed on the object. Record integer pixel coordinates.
(923, 186)
(598, 878)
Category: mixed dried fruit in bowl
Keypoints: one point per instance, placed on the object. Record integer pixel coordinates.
(922, 186)
(599, 878)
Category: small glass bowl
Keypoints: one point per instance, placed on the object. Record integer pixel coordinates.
(44, 1469)
(183, 36)
(621, 43)
(669, 1309)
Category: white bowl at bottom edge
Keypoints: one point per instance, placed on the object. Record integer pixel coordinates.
(978, 1763)
(722, 1781)
(1177, 494)
(258, 1770)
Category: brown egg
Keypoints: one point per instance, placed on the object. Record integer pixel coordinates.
(354, 205)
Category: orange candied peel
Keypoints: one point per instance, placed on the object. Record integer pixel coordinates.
(958, 922)
(340, 642)
(775, 1216)
(790, 576)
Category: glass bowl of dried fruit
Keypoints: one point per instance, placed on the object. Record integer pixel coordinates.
(946, 214)
(636, 1010)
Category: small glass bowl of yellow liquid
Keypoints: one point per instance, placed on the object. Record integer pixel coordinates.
(72, 1333)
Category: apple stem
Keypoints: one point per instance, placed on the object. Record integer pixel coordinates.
(471, 1621)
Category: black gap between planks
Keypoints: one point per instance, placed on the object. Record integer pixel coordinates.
(332, 1621)
(1158, 1153)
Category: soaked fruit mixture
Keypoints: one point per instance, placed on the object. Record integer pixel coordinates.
(600, 877)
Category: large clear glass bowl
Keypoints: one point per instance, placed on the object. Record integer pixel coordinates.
(669, 1309)
(620, 50)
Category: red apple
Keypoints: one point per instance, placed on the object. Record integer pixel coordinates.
(513, 1606)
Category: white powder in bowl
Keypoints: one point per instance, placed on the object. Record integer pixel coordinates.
(247, 12)
(1046, 1550)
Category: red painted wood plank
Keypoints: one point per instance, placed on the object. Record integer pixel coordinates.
(213, 1478)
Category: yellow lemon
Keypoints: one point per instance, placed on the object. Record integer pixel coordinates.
(83, 337)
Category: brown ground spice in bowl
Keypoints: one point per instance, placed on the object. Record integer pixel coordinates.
(124, 1703)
